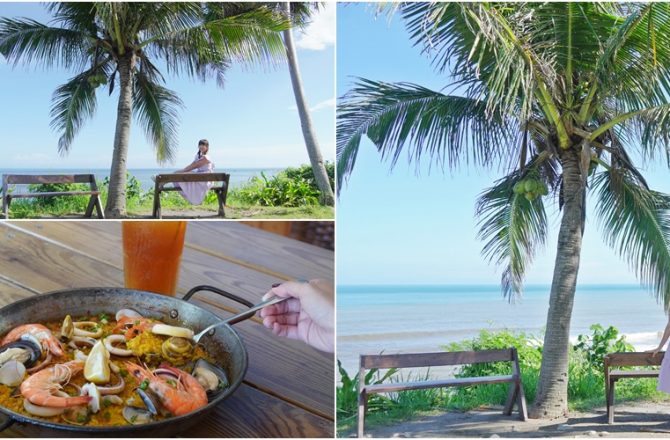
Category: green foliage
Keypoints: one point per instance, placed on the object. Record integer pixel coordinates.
(347, 394)
(288, 188)
(586, 387)
(133, 186)
(601, 342)
(62, 203)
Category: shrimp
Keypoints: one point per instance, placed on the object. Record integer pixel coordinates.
(133, 326)
(40, 388)
(178, 397)
(43, 334)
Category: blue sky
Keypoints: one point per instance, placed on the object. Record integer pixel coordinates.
(250, 123)
(397, 227)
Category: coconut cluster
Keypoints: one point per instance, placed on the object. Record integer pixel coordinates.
(97, 80)
(531, 188)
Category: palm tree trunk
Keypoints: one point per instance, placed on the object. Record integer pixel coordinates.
(116, 197)
(313, 150)
(552, 396)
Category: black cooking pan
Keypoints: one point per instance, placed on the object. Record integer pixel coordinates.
(223, 344)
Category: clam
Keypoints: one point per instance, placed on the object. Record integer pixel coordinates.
(12, 373)
(25, 351)
(177, 349)
(212, 378)
(130, 313)
(67, 329)
(136, 416)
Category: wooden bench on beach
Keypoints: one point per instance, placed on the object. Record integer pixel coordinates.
(26, 179)
(163, 179)
(416, 360)
(612, 375)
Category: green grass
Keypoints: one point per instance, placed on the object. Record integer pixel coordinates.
(290, 194)
(586, 389)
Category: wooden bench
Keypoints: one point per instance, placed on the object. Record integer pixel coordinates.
(415, 360)
(626, 360)
(163, 179)
(27, 179)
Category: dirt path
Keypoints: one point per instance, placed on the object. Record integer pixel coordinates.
(636, 419)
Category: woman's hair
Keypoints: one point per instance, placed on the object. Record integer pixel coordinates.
(204, 142)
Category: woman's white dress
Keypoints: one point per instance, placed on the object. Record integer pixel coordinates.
(195, 192)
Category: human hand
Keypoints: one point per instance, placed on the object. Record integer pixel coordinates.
(654, 351)
(308, 315)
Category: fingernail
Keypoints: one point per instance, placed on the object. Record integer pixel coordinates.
(276, 285)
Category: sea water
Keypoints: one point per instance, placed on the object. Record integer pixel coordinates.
(238, 176)
(402, 319)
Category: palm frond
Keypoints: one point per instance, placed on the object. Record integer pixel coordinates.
(28, 41)
(512, 228)
(447, 128)
(73, 103)
(156, 109)
(635, 221)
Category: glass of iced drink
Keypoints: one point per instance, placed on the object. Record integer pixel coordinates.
(152, 253)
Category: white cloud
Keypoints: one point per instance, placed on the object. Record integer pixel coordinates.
(320, 33)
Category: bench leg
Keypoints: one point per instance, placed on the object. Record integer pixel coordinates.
(89, 208)
(362, 406)
(157, 204)
(511, 398)
(610, 403)
(98, 208)
(521, 403)
(5, 206)
(222, 202)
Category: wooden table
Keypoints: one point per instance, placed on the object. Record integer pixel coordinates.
(289, 388)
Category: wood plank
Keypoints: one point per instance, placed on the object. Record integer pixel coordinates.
(412, 360)
(284, 255)
(53, 194)
(634, 374)
(439, 383)
(246, 413)
(634, 359)
(26, 179)
(43, 264)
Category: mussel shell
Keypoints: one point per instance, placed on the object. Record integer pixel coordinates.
(149, 401)
(218, 371)
(136, 416)
(29, 355)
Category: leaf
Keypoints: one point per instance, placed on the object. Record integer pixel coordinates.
(635, 221)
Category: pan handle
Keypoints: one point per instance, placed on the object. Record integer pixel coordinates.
(9, 421)
(216, 290)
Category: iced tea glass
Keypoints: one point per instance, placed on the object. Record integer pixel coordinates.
(152, 253)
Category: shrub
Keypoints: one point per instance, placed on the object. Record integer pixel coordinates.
(278, 190)
(59, 204)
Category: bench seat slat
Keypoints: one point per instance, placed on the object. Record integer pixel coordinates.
(52, 194)
(620, 374)
(453, 382)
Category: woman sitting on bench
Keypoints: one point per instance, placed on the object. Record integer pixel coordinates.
(195, 192)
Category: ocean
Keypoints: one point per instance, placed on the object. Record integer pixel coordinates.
(238, 176)
(402, 318)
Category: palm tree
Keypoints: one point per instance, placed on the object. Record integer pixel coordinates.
(121, 43)
(303, 11)
(559, 94)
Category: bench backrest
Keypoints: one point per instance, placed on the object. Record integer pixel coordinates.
(413, 360)
(25, 179)
(192, 177)
(633, 359)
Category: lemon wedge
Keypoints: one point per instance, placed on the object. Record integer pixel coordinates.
(96, 369)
